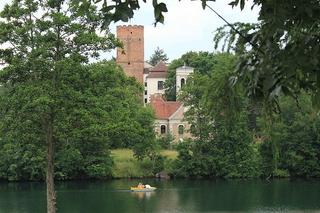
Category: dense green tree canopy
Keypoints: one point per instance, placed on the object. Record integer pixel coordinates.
(223, 145)
(99, 108)
(45, 41)
(280, 54)
(283, 144)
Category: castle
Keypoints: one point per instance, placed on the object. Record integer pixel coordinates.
(169, 114)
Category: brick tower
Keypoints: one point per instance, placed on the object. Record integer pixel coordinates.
(131, 57)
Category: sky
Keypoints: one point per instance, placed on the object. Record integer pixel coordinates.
(187, 26)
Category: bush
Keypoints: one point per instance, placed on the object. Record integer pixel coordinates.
(165, 142)
(21, 162)
(68, 163)
(231, 154)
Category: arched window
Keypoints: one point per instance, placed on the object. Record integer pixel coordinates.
(183, 82)
(163, 129)
(180, 129)
(193, 129)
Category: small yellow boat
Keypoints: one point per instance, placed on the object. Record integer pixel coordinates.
(140, 189)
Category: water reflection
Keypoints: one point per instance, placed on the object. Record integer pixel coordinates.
(143, 195)
(170, 196)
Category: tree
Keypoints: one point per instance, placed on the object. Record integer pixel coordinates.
(47, 40)
(101, 109)
(270, 64)
(291, 143)
(224, 145)
(202, 62)
(157, 56)
(269, 61)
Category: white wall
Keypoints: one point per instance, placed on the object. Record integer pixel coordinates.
(182, 73)
(152, 86)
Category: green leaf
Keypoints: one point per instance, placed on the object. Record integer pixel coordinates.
(204, 4)
(242, 2)
(163, 7)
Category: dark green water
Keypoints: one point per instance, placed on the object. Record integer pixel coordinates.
(173, 196)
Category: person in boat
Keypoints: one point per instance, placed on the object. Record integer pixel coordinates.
(140, 186)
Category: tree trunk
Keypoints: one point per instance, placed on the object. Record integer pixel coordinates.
(51, 194)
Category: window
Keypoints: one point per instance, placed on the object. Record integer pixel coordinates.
(145, 84)
(160, 85)
(163, 129)
(180, 129)
(183, 82)
(145, 100)
(193, 129)
(145, 92)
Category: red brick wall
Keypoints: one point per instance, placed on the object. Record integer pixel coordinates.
(131, 57)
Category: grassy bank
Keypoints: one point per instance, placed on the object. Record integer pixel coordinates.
(126, 166)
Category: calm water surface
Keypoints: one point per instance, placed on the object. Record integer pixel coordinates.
(174, 196)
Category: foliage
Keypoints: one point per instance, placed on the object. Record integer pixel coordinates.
(295, 135)
(165, 142)
(117, 10)
(202, 62)
(231, 154)
(223, 146)
(157, 56)
(21, 162)
(270, 64)
(47, 41)
(127, 166)
(97, 101)
(210, 95)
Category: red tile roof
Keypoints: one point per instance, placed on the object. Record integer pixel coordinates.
(163, 109)
(160, 67)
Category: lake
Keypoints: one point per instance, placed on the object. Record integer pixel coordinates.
(174, 196)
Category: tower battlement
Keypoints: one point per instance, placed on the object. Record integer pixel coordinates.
(130, 26)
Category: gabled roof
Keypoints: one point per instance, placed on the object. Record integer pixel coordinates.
(160, 67)
(158, 71)
(163, 109)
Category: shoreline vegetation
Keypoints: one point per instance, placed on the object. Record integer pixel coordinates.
(127, 166)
